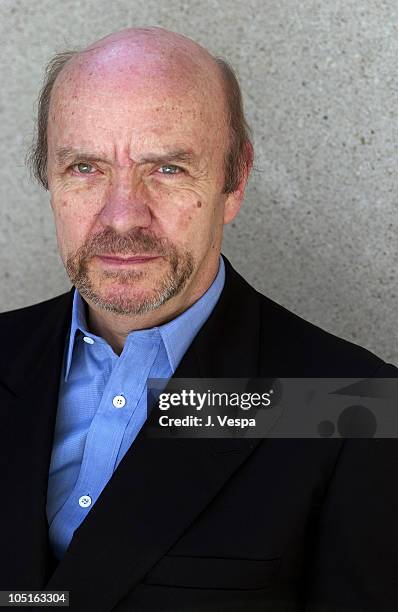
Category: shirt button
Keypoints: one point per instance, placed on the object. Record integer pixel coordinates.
(88, 340)
(119, 401)
(85, 501)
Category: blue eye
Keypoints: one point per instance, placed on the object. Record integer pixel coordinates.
(83, 168)
(169, 169)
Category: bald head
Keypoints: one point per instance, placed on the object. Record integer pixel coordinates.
(151, 62)
(155, 45)
(146, 55)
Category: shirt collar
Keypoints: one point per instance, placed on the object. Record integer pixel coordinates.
(78, 324)
(177, 334)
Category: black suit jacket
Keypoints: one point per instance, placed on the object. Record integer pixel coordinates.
(236, 525)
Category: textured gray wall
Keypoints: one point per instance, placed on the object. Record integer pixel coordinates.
(317, 230)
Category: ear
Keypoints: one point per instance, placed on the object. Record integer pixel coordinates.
(235, 198)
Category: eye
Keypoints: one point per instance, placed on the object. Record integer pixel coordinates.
(83, 168)
(170, 169)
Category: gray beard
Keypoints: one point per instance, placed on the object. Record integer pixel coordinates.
(172, 283)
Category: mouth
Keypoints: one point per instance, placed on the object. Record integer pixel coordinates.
(120, 261)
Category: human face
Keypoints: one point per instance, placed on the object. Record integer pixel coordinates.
(135, 171)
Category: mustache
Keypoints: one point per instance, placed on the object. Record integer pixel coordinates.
(136, 242)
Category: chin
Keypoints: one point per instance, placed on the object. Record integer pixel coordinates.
(129, 297)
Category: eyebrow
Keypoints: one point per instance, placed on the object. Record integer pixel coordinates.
(65, 155)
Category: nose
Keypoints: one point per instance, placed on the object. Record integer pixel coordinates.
(125, 205)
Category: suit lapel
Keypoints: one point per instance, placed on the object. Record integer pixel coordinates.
(161, 486)
(28, 399)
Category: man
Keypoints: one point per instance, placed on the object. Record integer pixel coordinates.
(143, 146)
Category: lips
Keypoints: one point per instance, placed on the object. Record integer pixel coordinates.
(116, 259)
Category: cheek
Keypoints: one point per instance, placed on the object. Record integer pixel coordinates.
(68, 219)
(194, 223)
(176, 209)
(187, 220)
(72, 225)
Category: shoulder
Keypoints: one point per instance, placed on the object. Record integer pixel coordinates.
(26, 329)
(300, 346)
(35, 312)
(291, 346)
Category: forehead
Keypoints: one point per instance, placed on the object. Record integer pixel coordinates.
(138, 98)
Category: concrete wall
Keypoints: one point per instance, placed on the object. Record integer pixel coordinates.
(317, 231)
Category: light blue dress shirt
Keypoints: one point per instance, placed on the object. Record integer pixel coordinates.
(102, 406)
